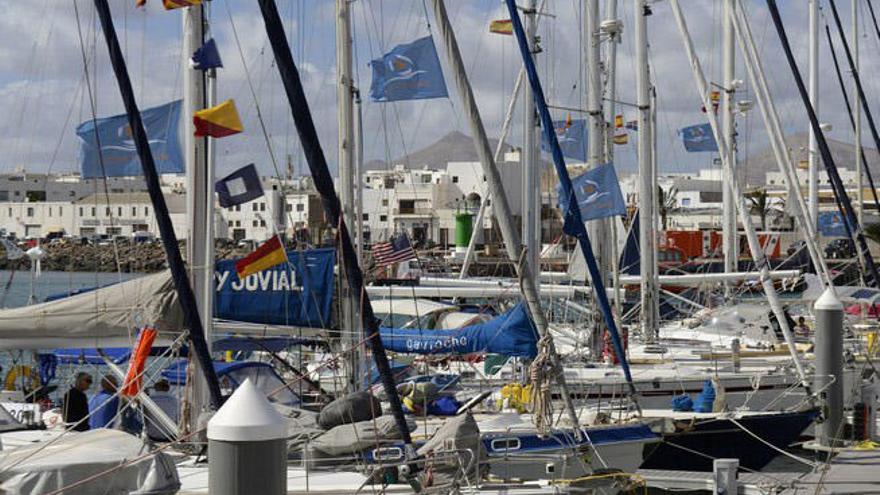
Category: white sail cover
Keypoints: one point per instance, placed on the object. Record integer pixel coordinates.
(78, 457)
(105, 317)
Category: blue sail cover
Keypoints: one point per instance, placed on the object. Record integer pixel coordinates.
(298, 293)
(510, 334)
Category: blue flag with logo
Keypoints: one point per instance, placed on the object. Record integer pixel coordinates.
(408, 72)
(698, 138)
(206, 56)
(117, 151)
(239, 187)
(831, 224)
(298, 293)
(572, 137)
(596, 193)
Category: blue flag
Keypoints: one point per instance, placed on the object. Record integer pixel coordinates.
(239, 187)
(572, 137)
(408, 72)
(831, 224)
(206, 57)
(118, 153)
(597, 193)
(698, 138)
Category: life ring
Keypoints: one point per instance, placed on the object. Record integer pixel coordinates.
(21, 372)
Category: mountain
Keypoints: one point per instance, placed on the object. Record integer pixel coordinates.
(762, 161)
(453, 147)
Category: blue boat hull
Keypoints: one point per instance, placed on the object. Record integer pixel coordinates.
(721, 438)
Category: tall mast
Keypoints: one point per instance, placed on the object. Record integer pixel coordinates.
(200, 196)
(860, 196)
(612, 30)
(596, 147)
(813, 70)
(647, 240)
(728, 229)
(531, 175)
(345, 142)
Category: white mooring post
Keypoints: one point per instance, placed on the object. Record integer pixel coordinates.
(829, 366)
(247, 446)
(724, 473)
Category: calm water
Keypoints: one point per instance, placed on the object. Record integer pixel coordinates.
(52, 284)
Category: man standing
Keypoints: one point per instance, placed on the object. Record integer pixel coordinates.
(104, 405)
(76, 405)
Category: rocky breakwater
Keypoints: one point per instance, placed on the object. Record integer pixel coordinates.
(123, 256)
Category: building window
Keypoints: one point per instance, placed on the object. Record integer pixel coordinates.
(107, 211)
(30, 212)
(426, 178)
(238, 223)
(237, 207)
(230, 223)
(685, 201)
(10, 212)
(80, 211)
(119, 211)
(300, 207)
(288, 207)
(262, 206)
(50, 211)
(262, 223)
(4, 195)
(94, 213)
(256, 223)
(383, 218)
(366, 217)
(60, 211)
(385, 202)
(72, 194)
(146, 210)
(455, 179)
(134, 211)
(114, 230)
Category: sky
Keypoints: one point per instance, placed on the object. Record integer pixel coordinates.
(43, 90)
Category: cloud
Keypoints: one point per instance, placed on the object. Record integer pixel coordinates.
(41, 72)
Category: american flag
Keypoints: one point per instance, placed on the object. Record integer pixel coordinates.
(397, 249)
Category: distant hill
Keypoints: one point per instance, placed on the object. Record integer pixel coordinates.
(453, 147)
(843, 153)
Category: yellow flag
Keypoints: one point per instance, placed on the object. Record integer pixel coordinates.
(218, 121)
(504, 26)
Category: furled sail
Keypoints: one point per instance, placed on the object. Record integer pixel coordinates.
(105, 317)
(509, 334)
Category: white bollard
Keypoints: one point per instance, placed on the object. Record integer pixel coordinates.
(247, 446)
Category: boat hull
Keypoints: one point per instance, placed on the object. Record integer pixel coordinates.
(693, 447)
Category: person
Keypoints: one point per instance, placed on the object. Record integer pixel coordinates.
(168, 404)
(801, 328)
(105, 404)
(76, 404)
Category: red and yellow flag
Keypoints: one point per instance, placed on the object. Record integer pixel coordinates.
(269, 254)
(219, 121)
(177, 4)
(618, 121)
(134, 378)
(503, 26)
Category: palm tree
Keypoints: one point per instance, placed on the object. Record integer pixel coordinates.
(760, 205)
(872, 232)
(668, 202)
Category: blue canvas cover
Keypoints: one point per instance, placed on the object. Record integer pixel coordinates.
(510, 334)
(298, 293)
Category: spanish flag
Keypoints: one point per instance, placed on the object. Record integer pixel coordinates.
(219, 121)
(504, 26)
(177, 4)
(269, 254)
(618, 121)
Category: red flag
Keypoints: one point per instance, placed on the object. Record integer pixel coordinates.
(134, 378)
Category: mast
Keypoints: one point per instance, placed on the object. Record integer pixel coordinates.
(317, 162)
(531, 175)
(163, 219)
(649, 292)
(200, 194)
(345, 142)
(814, 100)
(760, 258)
(728, 128)
(501, 205)
(598, 229)
(860, 196)
(612, 27)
